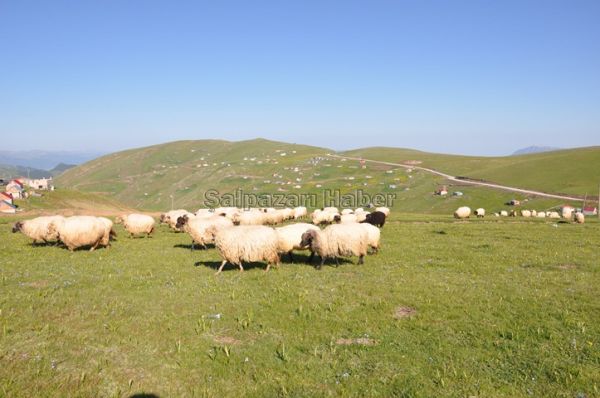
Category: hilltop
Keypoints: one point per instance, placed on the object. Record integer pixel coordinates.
(179, 174)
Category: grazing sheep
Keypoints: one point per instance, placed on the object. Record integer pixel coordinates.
(204, 213)
(533, 213)
(198, 228)
(331, 210)
(250, 217)
(37, 229)
(275, 217)
(290, 238)
(496, 214)
(79, 231)
(504, 213)
(567, 212)
(384, 210)
(541, 214)
(376, 218)
(108, 231)
(579, 218)
(323, 217)
(338, 240)
(525, 213)
(346, 218)
(374, 236)
(512, 213)
(137, 224)
(462, 212)
(480, 213)
(300, 212)
(171, 217)
(246, 243)
(347, 211)
(553, 214)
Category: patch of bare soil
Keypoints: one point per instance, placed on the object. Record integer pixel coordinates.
(36, 284)
(358, 341)
(404, 312)
(567, 266)
(226, 340)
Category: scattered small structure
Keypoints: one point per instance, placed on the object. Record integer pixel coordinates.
(44, 184)
(590, 211)
(16, 189)
(6, 207)
(443, 191)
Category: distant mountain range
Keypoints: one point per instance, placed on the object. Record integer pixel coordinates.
(534, 149)
(45, 160)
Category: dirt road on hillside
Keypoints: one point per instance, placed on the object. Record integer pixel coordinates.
(465, 181)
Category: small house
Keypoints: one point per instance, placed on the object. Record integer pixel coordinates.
(16, 189)
(39, 183)
(7, 197)
(8, 208)
(590, 211)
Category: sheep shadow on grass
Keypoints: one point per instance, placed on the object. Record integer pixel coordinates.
(231, 267)
(304, 259)
(196, 246)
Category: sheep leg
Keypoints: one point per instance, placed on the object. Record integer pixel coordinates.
(337, 263)
(311, 258)
(268, 267)
(361, 259)
(192, 247)
(322, 262)
(221, 267)
(241, 268)
(291, 257)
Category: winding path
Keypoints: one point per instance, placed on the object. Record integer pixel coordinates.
(465, 181)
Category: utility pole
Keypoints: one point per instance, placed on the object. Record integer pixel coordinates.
(172, 199)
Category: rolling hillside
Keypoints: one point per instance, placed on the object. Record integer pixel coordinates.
(569, 171)
(179, 174)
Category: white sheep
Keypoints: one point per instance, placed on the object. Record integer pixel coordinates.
(108, 231)
(249, 217)
(579, 218)
(480, 213)
(525, 213)
(347, 218)
(347, 211)
(290, 238)
(338, 240)
(504, 213)
(553, 214)
(79, 231)
(198, 228)
(171, 217)
(567, 212)
(246, 243)
(331, 209)
(137, 224)
(384, 210)
(533, 213)
(541, 214)
(300, 212)
(374, 236)
(462, 212)
(37, 229)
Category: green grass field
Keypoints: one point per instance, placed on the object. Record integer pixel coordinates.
(501, 308)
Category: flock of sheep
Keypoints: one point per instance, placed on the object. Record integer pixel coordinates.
(566, 213)
(240, 236)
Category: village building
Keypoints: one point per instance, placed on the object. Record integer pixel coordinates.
(39, 183)
(7, 197)
(590, 211)
(6, 207)
(16, 189)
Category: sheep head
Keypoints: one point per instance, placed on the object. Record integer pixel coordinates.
(181, 221)
(308, 237)
(17, 227)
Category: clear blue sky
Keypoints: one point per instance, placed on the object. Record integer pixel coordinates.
(474, 77)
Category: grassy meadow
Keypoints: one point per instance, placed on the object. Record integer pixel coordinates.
(480, 308)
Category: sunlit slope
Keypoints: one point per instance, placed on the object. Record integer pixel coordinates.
(571, 171)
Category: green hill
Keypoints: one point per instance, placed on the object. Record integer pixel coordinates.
(569, 171)
(179, 174)
(8, 171)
